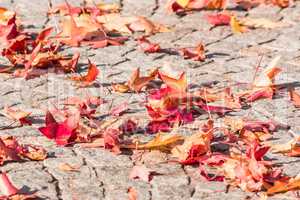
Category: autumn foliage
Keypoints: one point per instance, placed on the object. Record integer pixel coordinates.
(170, 101)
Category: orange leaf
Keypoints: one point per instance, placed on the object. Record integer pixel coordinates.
(295, 97)
(281, 3)
(72, 34)
(132, 193)
(136, 82)
(90, 76)
(176, 85)
(216, 4)
(280, 186)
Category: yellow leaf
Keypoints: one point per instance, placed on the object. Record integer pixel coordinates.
(183, 3)
(236, 27)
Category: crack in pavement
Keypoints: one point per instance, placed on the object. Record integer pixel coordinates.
(54, 181)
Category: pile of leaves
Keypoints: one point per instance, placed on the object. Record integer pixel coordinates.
(34, 54)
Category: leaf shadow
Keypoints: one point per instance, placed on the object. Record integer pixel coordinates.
(26, 190)
(213, 55)
(293, 84)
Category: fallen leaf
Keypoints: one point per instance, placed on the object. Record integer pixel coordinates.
(260, 93)
(215, 4)
(17, 114)
(32, 152)
(266, 78)
(248, 4)
(294, 97)
(196, 53)
(176, 85)
(236, 26)
(281, 3)
(63, 133)
(6, 186)
(183, 3)
(129, 126)
(132, 194)
(10, 192)
(137, 82)
(147, 46)
(90, 76)
(218, 19)
(71, 34)
(122, 88)
(284, 186)
(290, 148)
(200, 140)
(116, 22)
(150, 28)
(163, 142)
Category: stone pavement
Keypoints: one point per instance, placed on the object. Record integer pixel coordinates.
(230, 58)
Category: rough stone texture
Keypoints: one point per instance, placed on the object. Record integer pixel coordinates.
(102, 175)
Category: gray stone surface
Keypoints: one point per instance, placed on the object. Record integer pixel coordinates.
(102, 175)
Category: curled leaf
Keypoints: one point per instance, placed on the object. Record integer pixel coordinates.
(6, 186)
(90, 76)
